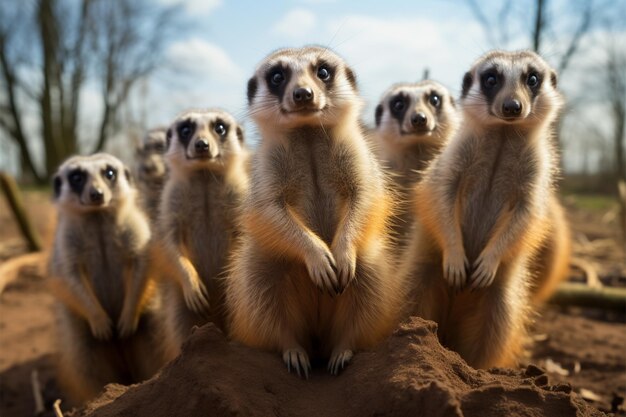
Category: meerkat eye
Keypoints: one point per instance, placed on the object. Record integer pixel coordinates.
(110, 173)
(435, 100)
(76, 178)
(277, 77)
(323, 73)
(220, 129)
(490, 80)
(533, 80)
(185, 131)
(397, 105)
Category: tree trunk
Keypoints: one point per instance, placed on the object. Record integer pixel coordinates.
(14, 199)
(539, 25)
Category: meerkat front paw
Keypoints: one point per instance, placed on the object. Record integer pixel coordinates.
(127, 324)
(338, 360)
(485, 269)
(196, 295)
(322, 269)
(296, 358)
(345, 258)
(101, 326)
(455, 266)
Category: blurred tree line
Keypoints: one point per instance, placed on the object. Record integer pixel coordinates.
(50, 50)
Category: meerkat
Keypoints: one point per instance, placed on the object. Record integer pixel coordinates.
(484, 207)
(312, 273)
(151, 170)
(413, 122)
(208, 177)
(98, 271)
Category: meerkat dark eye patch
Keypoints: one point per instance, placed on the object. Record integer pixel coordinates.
(56, 186)
(325, 72)
(77, 179)
(434, 98)
(277, 79)
(109, 173)
(220, 128)
(186, 130)
(490, 83)
(378, 114)
(533, 80)
(398, 106)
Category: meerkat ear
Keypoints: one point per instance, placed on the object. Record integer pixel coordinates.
(56, 185)
(240, 134)
(252, 87)
(553, 78)
(452, 102)
(351, 77)
(467, 83)
(168, 138)
(378, 114)
(128, 175)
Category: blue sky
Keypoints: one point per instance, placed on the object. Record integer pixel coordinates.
(208, 61)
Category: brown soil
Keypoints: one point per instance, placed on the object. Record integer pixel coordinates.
(409, 374)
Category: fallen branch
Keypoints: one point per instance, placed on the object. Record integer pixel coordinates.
(588, 269)
(57, 408)
(582, 295)
(16, 203)
(34, 380)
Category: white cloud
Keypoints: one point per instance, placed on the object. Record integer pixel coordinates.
(295, 24)
(194, 7)
(386, 51)
(199, 57)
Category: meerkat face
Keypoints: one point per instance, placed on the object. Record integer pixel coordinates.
(149, 155)
(89, 183)
(416, 113)
(510, 88)
(304, 86)
(203, 139)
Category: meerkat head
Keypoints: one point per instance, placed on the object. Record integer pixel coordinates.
(89, 183)
(416, 113)
(517, 88)
(203, 140)
(149, 155)
(304, 86)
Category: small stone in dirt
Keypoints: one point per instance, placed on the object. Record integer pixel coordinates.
(541, 380)
(563, 387)
(616, 402)
(533, 370)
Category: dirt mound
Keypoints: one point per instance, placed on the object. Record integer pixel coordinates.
(410, 374)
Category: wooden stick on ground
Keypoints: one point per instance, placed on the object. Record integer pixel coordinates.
(57, 408)
(581, 295)
(34, 380)
(16, 203)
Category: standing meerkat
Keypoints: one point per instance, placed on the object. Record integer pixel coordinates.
(413, 122)
(99, 273)
(484, 207)
(312, 272)
(151, 170)
(208, 178)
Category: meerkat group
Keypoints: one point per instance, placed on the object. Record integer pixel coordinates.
(319, 243)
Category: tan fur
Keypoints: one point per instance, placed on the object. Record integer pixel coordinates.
(484, 209)
(197, 221)
(99, 275)
(312, 275)
(151, 170)
(406, 144)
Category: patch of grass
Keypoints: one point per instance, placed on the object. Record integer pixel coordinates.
(592, 202)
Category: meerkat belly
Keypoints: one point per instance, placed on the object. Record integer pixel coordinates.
(319, 203)
(105, 263)
(489, 200)
(208, 235)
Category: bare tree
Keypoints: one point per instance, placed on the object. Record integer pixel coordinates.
(497, 26)
(112, 43)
